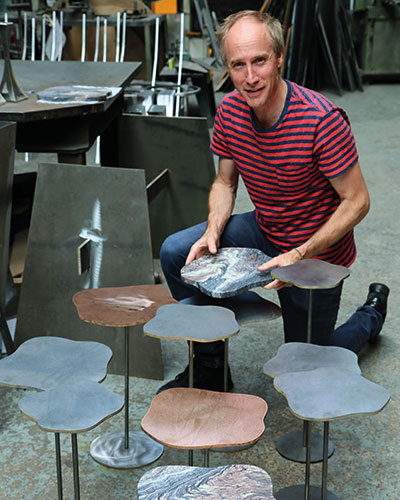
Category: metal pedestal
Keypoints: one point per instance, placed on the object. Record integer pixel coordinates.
(291, 446)
(125, 449)
(297, 493)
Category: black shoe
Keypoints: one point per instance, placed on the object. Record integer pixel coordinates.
(377, 298)
(211, 379)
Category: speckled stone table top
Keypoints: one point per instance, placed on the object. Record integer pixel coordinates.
(228, 482)
(247, 306)
(121, 306)
(300, 356)
(71, 408)
(195, 418)
(227, 273)
(187, 322)
(311, 274)
(47, 362)
(329, 393)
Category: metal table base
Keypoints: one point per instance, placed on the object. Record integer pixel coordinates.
(297, 493)
(291, 446)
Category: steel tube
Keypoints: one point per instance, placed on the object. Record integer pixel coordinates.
(75, 466)
(126, 387)
(58, 466)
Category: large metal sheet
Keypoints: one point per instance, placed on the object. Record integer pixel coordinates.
(108, 207)
(182, 145)
(7, 147)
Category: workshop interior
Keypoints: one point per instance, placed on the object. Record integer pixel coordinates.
(117, 118)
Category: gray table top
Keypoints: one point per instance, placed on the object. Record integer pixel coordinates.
(227, 273)
(187, 322)
(299, 357)
(47, 362)
(311, 274)
(71, 408)
(247, 306)
(330, 393)
(228, 482)
(39, 75)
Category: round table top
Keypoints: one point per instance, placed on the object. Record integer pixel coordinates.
(187, 322)
(71, 408)
(47, 362)
(227, 482)
(121, 306)
(329, 393)
(247, 306)
(227, 273)
(195, 418)
(300, 356)
(311, 274)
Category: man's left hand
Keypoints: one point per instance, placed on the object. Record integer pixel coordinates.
(284, 259)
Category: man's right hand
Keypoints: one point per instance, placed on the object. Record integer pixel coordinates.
(208, 243)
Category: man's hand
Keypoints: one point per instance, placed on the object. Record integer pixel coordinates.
(284, 259)
(208, 243)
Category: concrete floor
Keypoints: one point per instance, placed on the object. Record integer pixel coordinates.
(366, 461)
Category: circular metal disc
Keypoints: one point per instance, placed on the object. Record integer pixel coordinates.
(296, 492)
(290, 446)
(109, 449)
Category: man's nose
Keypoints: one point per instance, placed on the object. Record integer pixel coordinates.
(251, 74)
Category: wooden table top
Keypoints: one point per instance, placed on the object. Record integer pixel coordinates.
(195, 418)
(121, 306)
(71, 408)
(196, 323)
(227, 482)
(47, 362)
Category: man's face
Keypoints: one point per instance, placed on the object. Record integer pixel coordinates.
(252, 64)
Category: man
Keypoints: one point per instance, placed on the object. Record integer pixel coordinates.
(296, 154)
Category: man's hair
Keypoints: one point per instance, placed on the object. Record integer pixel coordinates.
(272, 25)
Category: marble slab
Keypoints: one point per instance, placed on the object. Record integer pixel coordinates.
(247, 306)
(311, 274)
(329, 393)
(121, 306)
(47, 362)
(300, 356)
(228, 482)
(195, 418)
(227, 273)
(71, 408)
(187, 322)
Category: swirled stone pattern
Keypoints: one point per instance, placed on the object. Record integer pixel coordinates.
(227, 273)
(229, 482)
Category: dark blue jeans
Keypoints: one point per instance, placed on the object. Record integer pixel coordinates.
(242, 230)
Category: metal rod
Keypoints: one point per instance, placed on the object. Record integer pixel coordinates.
(104, 40)
(33, 38)
(123, 43)
(53, 38)
(191, 364)
(126, 387)
(206, 454)
(83, 51)
(58, 466)
(43, 55)
(155, 58)
(226, 353)
(305, 433)
(325, 462)
(75, 466)
(309, 318)
(97, 40)
(118, 37)
(60, 42)
(25, 42)
(178, 98)
(308, 463)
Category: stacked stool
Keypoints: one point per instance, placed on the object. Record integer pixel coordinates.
(123, 307)
(71, 402)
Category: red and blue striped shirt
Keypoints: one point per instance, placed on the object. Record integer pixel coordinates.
(286, 169)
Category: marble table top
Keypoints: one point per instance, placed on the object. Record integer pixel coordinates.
(71, 408)
(121, 306)
(187, 322)
(195, 418)
(228, 482)
(47, 362)
(247, 306)
(300, 356)
(329, 393)
(227, 273)
(311, 274)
